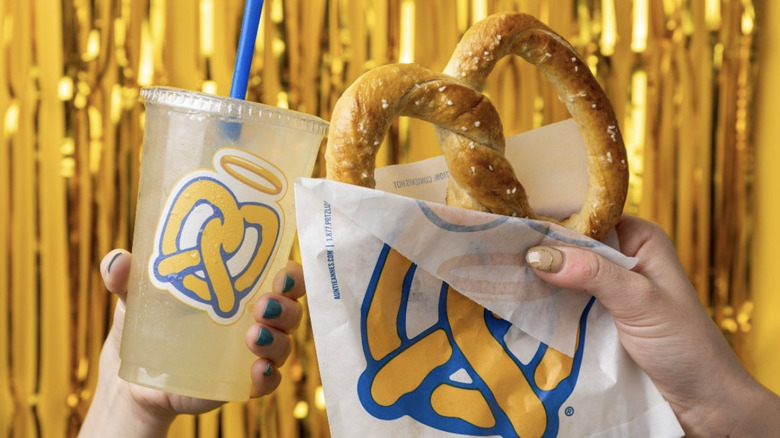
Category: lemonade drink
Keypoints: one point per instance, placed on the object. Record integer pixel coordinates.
(214, 222)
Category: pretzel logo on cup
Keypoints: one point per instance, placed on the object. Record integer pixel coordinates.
(217, 233)
(510, 398)
(458, 374)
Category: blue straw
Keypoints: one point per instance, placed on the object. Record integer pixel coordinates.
(246, 48)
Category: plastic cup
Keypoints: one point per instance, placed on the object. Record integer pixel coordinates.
(214, 218)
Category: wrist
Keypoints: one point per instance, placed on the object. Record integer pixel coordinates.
(114, 411)
(754, 411)
(741, 407)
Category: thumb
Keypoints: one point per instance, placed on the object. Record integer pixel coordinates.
(115, 269)
(624, 293)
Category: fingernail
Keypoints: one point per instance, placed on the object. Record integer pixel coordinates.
(272, 309)
(268, 370)
(265, 337)
(544, 258)
(289, 283)
(113, 259)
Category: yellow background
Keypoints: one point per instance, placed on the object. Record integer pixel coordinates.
(691, 82)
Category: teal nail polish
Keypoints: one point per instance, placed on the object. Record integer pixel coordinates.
(289, 283)
(268, 370)
(265, 337)
(111, 262)
(272, 309)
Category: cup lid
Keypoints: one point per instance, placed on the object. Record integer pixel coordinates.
(232, 109)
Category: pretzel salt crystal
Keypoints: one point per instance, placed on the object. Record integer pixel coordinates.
(513, 33)
(362, 116)
(469, 128)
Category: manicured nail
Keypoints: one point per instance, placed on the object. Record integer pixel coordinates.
(265, 337)
(268, 370)
(289, 283)
(544, 258)
(272, 309)
(113, 259)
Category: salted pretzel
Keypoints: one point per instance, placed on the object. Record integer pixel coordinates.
(362, 116)
(468, 126)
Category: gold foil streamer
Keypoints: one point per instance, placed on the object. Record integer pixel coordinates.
(680, 75)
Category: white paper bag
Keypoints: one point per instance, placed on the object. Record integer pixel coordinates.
(427, 322)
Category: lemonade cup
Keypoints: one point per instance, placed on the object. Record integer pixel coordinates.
(214, 218)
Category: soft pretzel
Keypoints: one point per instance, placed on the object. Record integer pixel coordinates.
(362, 116)
(514, 33)
(468, 125)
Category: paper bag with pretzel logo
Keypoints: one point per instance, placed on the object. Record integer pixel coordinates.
(427, 322)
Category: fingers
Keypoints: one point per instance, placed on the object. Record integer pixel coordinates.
(633, 233)
(657, 258)
(278, 311)
(624, 293)
(269, 343)
(289, 281)
(115, 269)
(277, 314)
(273, 346)
(265, 378)
(645, 240)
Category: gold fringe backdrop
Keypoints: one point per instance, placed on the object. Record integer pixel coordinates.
(680, 74)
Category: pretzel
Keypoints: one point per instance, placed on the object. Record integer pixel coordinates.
(362, 116)
(468, 126)
(489, 40)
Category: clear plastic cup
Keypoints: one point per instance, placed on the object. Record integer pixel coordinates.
(214, 218)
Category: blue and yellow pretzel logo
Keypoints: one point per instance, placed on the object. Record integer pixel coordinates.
(218, 232)
(458, 375)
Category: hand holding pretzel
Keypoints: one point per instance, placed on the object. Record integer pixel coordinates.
(659, 318)
(468, 126)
